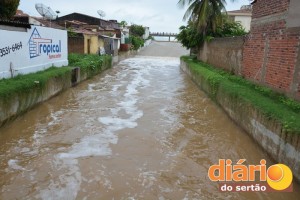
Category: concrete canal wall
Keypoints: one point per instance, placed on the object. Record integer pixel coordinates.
(16, 104)
(268, 132)
(19, 102)
(225, 53)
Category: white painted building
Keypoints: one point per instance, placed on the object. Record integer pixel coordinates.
(147, 33)
(31, 50)
(124, 34)
(243, 16)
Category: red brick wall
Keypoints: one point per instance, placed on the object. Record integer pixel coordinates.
(269, 7)
(271, 50)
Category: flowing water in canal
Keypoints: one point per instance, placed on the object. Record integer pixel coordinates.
(141, 130)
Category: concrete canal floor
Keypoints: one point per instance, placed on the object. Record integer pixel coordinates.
(141, 130)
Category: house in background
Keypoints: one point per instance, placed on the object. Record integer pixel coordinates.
(100, 36)
(111, 44)
(147, 33)
(91, 43)
(125, 33)
(20, 16)
(243, 16)
(110, 28)
(39, 21)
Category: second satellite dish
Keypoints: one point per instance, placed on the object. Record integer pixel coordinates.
(101, 13)
(45, 11)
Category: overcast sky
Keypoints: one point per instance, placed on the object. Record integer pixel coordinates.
(159, 15)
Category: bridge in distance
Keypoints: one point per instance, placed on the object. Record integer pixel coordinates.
(163, 34)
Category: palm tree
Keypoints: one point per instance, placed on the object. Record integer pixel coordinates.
(205, 14)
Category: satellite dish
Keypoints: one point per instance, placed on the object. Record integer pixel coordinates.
(45, 11)
(101, 13)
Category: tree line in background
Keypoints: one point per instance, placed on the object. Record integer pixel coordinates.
(206, 19)
(8, 8)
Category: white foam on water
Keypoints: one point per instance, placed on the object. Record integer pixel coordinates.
(148, 179)
(93, 145)
(117, 123)
(13, 164)
(38, 135)
(128, 104)
(67, 185)
(115, 111)
(97, 143)
(91, 87)
(56, 117)
(25, 150)
(115, 88)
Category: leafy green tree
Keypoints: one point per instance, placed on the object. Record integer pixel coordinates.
(137, 30)
(8, 8)
(123, 23)
(137, 42)
(190, 37)
(71, 32)
(205, 14)
(229, 28)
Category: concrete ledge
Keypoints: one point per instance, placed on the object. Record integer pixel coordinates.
(267, 132)
(24, 101)
(19, 103)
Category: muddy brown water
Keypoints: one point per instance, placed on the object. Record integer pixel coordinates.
(141, 130)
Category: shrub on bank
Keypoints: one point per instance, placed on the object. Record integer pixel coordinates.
(88, 62)
(137, 42)
(271, 103)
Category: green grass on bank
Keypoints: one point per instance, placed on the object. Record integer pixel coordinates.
(22, 84)
(271, 103)
(89, 62)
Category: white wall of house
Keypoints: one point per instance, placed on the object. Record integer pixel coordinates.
(122, 38)
(34, 50)
(124, 34)
(147, 33)
(34, 22)
(245, 21)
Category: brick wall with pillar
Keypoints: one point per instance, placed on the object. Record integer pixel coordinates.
(271, 53)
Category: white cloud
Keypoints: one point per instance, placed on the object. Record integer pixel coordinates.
(159, 15)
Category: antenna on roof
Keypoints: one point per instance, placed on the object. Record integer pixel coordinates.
(101, 13)
(45, 12)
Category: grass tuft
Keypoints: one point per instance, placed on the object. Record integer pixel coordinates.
(91, 64)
